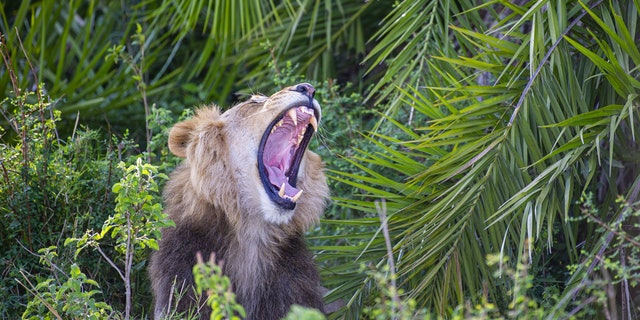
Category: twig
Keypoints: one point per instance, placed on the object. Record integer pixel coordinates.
(37, 295)
(12, 76)
(40, 256)
(626, 299)
(613, 231)
(8, 63)
(33, 70)
(580, 307)
(110, 262)
(127, 268)
(381, 207)
(274, 60)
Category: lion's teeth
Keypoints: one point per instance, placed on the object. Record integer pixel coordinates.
(293, 115)
(297, 196)
(278, 124)
(314, 123)
(281, 192)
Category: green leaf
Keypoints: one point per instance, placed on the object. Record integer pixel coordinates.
(153, 244)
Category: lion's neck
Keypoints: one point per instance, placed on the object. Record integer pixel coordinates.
(260, 248)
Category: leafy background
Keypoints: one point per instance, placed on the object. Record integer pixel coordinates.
(454, 132)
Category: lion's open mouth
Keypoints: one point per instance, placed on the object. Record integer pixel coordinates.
(280, 152)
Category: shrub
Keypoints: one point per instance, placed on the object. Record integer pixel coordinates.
(51, 187)
(134, 227)
(71, 299)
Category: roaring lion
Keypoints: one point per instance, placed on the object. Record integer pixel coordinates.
(247, 191)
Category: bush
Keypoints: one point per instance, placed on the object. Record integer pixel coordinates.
(69, 300)
(52, 188)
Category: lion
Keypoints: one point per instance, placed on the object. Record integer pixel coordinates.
(247, 191)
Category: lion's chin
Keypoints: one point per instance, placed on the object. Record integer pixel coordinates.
(274, 213)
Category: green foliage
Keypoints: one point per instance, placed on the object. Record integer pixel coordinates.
(492, 139)
(301, 313)
(421, 30)
(116, 53)
(217, 287)
(44, 190)
(160, 123)
(138, 213)
(388, 305)
(321, 37)
(70, 30)
(193, 50)
(521, 306)
(135, 225)
(44, 185)
(612, 264)
(492, 118)
(72, 299)
(138, 208)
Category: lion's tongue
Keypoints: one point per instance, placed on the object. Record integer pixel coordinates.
(278, 154)
(276, 177)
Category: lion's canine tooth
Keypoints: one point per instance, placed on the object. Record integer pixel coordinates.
(314, 123)
(281, 192)
(297, 196)
(293, 115)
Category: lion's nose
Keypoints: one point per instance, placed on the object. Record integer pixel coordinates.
(306, 89)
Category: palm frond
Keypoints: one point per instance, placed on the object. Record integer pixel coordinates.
(514, 131)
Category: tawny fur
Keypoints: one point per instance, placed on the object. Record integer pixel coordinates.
(219, 206)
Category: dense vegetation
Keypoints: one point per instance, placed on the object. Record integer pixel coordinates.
(483, 157)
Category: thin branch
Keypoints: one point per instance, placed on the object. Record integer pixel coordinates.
(544, 61)
(610, 229)
(381, 207)
(12, 76)
(626, 304)
(33, 70)
(110, 262)
(581, 306)
(526, 90)
(37, 295)
(40, 256)
(127, 268)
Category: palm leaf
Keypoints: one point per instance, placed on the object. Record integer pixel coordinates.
(496, 167)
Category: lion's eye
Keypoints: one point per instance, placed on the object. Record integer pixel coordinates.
(258, 99)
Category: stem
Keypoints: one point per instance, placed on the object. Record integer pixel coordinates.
(32, 289)
(127, 268)
(143, 91)
(381, 207)
(544, 60)
(138, 70)
(612, 230)
(110, 262)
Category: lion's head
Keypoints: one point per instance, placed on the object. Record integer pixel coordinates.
(252, 160)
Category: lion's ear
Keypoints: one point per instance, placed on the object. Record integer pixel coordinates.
(179, 137)
(206, 121)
